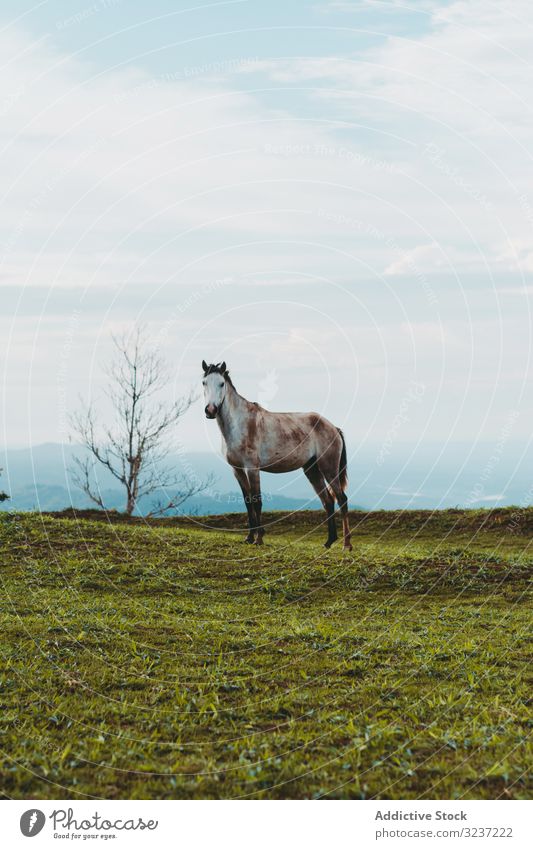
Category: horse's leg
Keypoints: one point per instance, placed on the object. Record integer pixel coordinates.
(316, 479)
(255, 490)
(342, 500)
(329, 467)
(244, 484)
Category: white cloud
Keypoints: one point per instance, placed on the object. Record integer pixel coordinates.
(122, 177)
(523, 291)
(423, 256)
(516, 255)
(459, 103)
(118, 176)
(380, 5)
(412, 156)
(433, 258)
(469, 70)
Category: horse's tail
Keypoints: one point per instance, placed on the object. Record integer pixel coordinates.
(343, 463)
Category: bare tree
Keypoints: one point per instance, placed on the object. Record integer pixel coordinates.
(135, 448)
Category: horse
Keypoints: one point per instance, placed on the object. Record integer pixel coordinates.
(256, 440)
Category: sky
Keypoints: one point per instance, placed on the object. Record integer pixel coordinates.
(334, 197)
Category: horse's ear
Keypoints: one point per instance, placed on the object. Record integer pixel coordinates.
(222, 367)
(204, 365)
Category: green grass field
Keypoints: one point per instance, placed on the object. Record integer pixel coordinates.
(166, 660)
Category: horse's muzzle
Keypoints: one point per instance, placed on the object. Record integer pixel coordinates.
(211, 411)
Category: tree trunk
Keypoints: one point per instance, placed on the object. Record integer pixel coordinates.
(130, 504)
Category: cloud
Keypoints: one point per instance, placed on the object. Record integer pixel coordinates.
(380, 5)
(409, 158)
(516, 255)
(452, 107)
(125, 178)
(492, 498)
(119, 176)
(523, 291)
(469, 68)
(432, 258)
(427, 256)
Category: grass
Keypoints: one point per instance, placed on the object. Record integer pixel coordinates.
(169, 660)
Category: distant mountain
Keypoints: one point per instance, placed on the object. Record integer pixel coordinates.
(40, 478)
(56, 498)
(394, 476)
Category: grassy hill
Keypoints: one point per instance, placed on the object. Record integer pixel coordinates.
(169, 660)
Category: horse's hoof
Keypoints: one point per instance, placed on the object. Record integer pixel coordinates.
(249, 541)
(258, 541)
(348, 547)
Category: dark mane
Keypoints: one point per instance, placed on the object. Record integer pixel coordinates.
(214, 368)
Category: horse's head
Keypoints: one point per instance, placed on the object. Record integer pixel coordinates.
(214, 382)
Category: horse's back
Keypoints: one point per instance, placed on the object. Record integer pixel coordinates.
(288, 441)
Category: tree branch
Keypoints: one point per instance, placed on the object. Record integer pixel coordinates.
(180, 497)
(135, 446)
